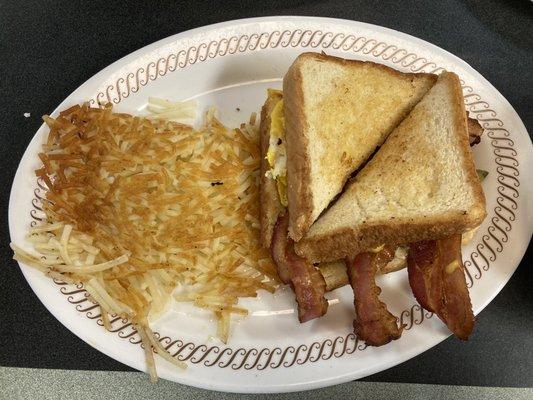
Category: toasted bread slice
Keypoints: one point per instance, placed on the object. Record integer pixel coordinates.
(420, 185)
(270, 205)
(337, 113)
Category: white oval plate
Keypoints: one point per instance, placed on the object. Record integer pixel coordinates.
(230, 65)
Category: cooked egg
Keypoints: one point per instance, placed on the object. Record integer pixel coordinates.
(281, 182)
(276, 154)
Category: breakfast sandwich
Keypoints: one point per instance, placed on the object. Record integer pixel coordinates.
(336, 211)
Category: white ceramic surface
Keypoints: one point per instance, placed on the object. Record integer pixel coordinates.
(230, 65)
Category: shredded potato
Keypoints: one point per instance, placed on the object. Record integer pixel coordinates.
(179, 111)
(136, 207)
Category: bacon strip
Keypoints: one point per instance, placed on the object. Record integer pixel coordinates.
(436, 276)
(278, 245)
(373, 322)
(307, 282)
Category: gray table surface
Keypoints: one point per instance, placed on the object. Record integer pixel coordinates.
(48, 49)
(26, 383)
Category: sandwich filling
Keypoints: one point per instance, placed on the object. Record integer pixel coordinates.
(276, 154)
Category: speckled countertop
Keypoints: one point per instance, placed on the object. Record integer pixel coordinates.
(23, 383)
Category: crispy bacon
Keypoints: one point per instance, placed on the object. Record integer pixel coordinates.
(308, 284)
(373, 322)
(422, 276)
(436, 276)
(475, 130)
(278, 245)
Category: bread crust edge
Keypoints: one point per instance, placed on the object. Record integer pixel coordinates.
(347, 242)
(300, 197)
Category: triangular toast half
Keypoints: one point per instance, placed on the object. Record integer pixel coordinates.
(420, 185)
(337, 113)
